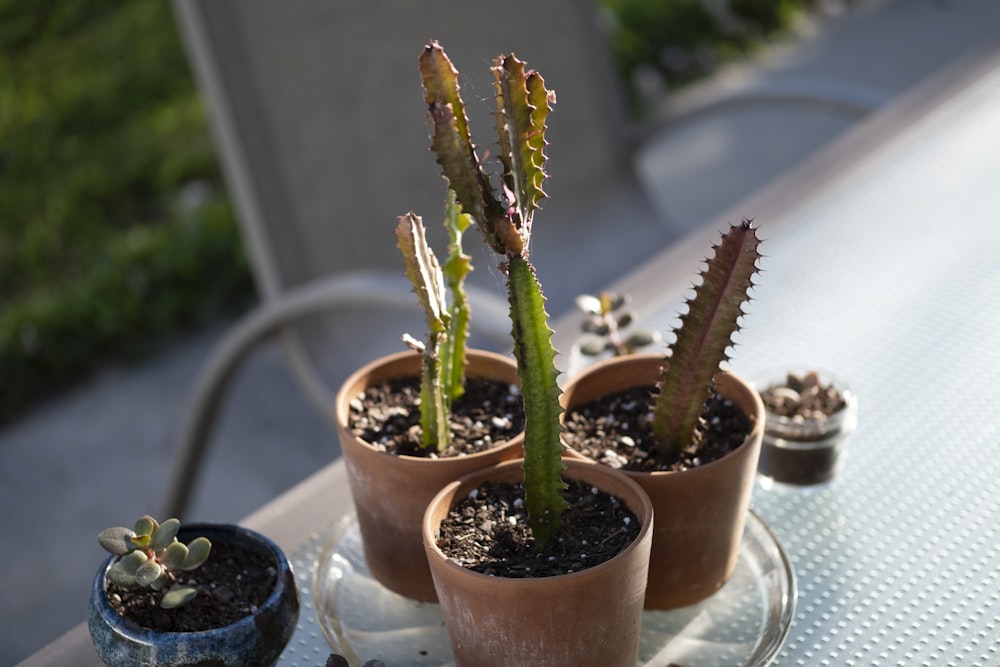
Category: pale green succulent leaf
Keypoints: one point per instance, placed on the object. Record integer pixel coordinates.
(164, 534)
(116, 540)
(119, 577)
(139, 541)
(132, 561)
(178, 596)
(597, 327)
(148, 572)
(198, 552)
(642, 338)
(614, 301)
(589, 304)
(593, 346)
(146, 525)
(173, 556)
(161, 581)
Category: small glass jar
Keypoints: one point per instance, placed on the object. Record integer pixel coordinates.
(809, 446)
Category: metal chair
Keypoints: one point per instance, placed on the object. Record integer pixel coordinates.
(317, 113)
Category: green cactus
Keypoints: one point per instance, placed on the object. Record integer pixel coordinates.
(504, 216)
(443, 368)
(149, 556)
(703, 337)
(456, 268)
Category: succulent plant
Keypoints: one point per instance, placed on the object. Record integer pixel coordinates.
(703, 338)
(503, 212)
(443, 368)
(803, 396)
(149, 556)
(606, 324)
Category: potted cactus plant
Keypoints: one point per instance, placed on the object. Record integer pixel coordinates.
(498, 605)
(411, 422)
(688, 432)
(226, 597)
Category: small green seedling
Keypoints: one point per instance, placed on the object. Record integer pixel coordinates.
(149, 556)
(442, 378)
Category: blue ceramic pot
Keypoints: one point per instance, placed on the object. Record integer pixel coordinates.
(255, 640)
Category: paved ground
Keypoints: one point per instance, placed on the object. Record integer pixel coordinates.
(66, 467)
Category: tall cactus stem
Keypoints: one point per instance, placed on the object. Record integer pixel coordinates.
(522, 108)
(704, 335)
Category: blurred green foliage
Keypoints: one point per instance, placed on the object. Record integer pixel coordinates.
(678, 41)
(100, 129)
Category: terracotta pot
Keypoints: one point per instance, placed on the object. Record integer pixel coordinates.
(591, 617)
(256, 640)
(700, 512)
(391, 492)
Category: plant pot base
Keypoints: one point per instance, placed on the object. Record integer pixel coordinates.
(700, 512)
(257, 639)
(592, 616)
(742, 624)
(801, 466)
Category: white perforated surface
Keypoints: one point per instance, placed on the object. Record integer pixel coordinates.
(889, 278)
(308, 647)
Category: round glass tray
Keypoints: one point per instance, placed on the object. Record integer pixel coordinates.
(745, 623)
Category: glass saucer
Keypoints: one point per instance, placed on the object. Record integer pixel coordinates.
(744, 623)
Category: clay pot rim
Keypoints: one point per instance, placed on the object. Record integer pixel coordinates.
(645, 357)
(645, 531)
(342, 403)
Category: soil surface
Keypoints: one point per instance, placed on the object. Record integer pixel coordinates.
(388, 417)
(231, 584)
(616, 430)
(488, 532)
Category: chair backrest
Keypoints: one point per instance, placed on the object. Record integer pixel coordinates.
(317, 110)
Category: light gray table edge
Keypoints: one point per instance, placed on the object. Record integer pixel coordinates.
(661, 280)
